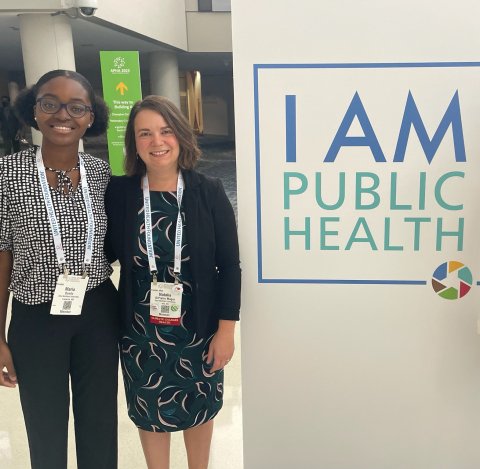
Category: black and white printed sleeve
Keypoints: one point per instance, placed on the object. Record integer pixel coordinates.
(5, 226)
(25, 228)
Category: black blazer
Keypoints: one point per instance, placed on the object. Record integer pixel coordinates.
(213, 242)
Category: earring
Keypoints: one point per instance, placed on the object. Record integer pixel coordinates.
(35, 117)
(89, 125)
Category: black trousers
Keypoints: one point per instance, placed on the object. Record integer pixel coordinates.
(49, 351)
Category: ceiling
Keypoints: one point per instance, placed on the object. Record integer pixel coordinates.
(91, 36)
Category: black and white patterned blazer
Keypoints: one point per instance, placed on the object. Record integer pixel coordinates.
(25, 228)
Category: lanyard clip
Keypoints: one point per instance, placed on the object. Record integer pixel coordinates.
(65, 270)
(155, 278)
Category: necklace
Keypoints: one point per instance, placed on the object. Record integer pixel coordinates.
(64, 182)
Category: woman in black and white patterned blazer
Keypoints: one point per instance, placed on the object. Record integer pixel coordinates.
(64, 323)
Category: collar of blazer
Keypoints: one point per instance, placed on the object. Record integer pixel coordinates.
(192, 180)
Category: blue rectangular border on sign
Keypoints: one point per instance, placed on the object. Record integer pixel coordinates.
(256, 70)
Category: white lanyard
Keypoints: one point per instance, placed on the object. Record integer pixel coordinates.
(148, 227)
(52, 218)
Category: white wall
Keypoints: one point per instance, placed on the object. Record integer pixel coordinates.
(191, 5)
(343, 376)
(163, 21)
(209, 32)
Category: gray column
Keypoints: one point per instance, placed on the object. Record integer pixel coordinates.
(164, 79)
(47, 44)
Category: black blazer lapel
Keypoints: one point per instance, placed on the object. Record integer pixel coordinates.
(131, 209)
(191, 198)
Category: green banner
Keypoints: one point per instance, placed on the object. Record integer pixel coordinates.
(121, 89)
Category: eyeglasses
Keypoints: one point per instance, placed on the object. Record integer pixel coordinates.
(52, 106)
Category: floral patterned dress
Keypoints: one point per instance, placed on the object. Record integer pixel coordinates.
(168, 383)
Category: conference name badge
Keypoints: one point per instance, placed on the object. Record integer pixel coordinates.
(166, 303)
(69, 294)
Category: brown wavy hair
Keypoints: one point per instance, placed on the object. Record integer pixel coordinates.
(189, 151)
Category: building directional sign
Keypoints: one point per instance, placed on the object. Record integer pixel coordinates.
(121, 89)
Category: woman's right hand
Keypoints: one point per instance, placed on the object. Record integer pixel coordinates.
(7, 378)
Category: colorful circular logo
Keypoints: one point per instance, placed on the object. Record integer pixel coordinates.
(452, 280)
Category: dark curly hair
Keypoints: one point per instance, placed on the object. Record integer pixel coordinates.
(27, 99)
(189, 151)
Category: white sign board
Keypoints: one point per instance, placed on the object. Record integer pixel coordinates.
(358, 159)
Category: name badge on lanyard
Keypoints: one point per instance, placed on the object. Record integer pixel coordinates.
(70, 289)
(69, 294)
(165, 303)
(165, 297)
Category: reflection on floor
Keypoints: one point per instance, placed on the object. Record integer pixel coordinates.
(218, 161)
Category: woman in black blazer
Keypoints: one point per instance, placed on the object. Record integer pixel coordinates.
(174, 233)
